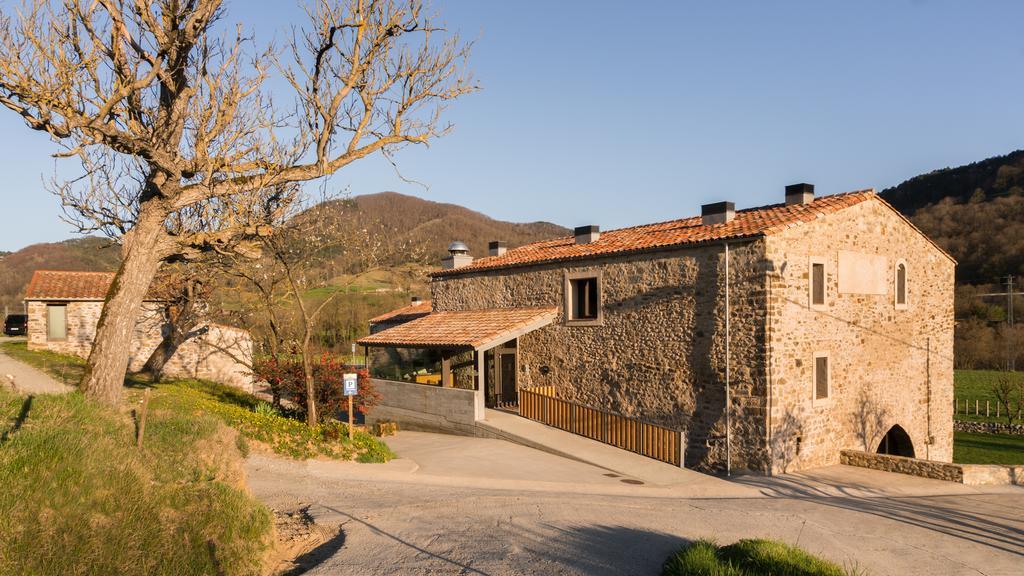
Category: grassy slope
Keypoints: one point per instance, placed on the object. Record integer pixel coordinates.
(79, 498)
(747, 557)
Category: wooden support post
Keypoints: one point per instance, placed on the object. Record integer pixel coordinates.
(142, 417)
(446, 370)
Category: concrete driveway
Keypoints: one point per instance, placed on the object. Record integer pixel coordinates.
(469, 506)
(27, 379)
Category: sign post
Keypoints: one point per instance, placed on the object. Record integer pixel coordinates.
(351, 389)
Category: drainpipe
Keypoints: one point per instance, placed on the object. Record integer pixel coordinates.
(728, 397)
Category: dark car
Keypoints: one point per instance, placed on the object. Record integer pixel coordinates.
(16, 325)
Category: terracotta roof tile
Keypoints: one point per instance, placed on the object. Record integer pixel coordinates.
(65, 285)
(463, 329)
(747, 223)
(405, 313)
(55, 285)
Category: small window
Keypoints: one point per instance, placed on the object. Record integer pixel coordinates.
(583, 298)
(900, 282)
(817, 287)
(56, 322)
(821, 377)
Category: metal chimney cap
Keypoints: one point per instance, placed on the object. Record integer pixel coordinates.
(458, 247)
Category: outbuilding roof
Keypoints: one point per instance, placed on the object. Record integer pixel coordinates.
(747, 223)
(463, 329)
(65, 285)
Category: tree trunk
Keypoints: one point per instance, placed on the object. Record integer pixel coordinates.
(307, 367)
(163, 352)
(108, 361)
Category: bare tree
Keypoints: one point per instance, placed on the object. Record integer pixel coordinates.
(295, 260)
(170, 116)
(1004, 387)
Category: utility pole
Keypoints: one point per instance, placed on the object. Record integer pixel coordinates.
(1008, 279)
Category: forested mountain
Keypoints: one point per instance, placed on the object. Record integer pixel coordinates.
(975, 212)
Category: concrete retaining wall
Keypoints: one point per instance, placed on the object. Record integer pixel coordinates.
(971, 474)
(428, 408)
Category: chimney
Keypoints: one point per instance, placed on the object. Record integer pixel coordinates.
(587, 234)
(717, 213)
(496, 247)
(802, 193)
(458, 256)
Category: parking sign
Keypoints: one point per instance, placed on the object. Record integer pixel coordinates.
(351, 384)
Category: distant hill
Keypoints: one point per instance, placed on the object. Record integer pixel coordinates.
(410, 229)
(90, 254)
(975, 212)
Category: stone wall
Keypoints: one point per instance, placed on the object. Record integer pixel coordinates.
(988, 427)
(659, 351)
(912, 466)
(425, 407)
(888, 366)
(970, 474)
(219, 353)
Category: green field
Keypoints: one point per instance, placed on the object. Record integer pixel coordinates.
(976, 385)
(971, 448)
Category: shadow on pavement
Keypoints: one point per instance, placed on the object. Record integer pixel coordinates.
(1002, 531)
(605, 550)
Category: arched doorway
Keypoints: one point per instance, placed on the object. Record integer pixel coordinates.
(896, 442)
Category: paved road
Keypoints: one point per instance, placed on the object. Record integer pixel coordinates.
(27, 380)
(564, 517)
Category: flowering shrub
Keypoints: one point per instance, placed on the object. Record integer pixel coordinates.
(286, 376)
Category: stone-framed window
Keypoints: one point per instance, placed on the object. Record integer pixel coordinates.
(821, 378)
(56, 321)
(583, 298)
(817, 283)
(899, 282)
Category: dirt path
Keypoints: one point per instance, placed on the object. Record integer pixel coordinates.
(27, 379)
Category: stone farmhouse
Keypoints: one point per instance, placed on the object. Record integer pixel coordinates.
(64, 309)
(771, 338)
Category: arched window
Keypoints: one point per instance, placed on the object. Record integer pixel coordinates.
(900, 282)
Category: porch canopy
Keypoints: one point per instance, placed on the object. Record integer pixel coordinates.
(463, 330)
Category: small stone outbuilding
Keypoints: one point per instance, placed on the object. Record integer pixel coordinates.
(64, 309)
(773, 338)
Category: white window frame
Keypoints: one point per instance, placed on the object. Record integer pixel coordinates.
(814, 379)
(906, 285)
(568, 300)
(811, 261)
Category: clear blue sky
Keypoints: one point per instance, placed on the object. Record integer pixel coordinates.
(620, 113)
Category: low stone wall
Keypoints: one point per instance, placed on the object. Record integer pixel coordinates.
(988, 427)
(427, 408)
(970, 474)
(902, 465)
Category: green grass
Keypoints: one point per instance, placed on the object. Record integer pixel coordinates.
(63, 368)
(285, 436)
(747, 558)
(971, 448)
(977, 385)
(78, 498)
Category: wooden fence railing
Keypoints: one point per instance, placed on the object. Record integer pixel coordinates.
(651, 440)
